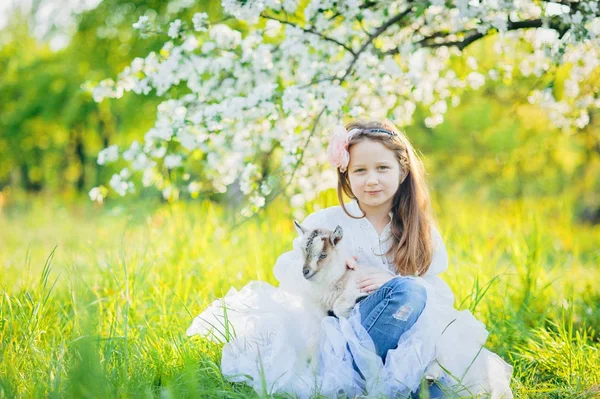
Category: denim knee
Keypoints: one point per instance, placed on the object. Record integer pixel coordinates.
(408, 287)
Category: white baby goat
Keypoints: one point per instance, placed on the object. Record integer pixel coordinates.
(332, 284)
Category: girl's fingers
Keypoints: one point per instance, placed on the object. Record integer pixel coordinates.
(368, 283)
(367, 280)
(370, 288)
(363, 283)
(351, 263)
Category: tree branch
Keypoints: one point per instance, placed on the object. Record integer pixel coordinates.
(357, 54)
(311, 31)
(563, 2)
(373, 36)
(473, 35)
(535, 23)
(296, 166)
(315, 81)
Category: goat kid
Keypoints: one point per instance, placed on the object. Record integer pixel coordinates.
(332, 284)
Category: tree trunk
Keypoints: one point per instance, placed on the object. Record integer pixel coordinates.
(80, 154)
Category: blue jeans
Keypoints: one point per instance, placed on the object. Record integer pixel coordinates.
(435, 392)
(389, 312)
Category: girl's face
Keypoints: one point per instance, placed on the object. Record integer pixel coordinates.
(374, 174)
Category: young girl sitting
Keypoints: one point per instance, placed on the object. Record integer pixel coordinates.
(404, 336)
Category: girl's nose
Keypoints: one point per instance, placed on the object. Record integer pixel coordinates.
(372, 180)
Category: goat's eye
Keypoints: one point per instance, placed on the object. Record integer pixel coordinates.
(322, 256)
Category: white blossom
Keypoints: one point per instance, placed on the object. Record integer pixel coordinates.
(168, 192)
(476, 80)
(108, 155)
(148, 177)
(187, 139)
(194, 188)
(125, 173)
(189, 44)
(172, 161)
(577, 18)
(439, 107)
(120, 185)
(107, 88)
(583, 120)
(174, 29)
(225, 37)
(248, 11)
(472, 63)
(334, 97)
(132, 152)
(200, 20)
(142, 162)
(257, 200)
(297, 201)
(96, 195)
(258, 94)
(249, 174)
(143, 23)
(500, 22)
(272, 28)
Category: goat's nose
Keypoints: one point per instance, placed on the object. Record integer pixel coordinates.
(305, 271)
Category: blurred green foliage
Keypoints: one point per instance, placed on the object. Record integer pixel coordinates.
(50, 128)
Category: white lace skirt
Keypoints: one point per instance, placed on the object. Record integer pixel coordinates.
(276, 342)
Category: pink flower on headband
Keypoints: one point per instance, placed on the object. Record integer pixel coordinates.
(337, 150)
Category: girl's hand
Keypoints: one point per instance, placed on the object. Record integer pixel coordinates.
(351, 262)
(374, 281)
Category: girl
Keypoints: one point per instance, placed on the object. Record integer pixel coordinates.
(405, 335)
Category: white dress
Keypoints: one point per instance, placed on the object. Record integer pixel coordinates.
(276, 342)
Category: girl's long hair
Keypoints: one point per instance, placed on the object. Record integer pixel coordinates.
(412, 217)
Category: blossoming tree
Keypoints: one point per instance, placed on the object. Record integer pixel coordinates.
(263, 93)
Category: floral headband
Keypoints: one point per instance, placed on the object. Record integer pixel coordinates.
(337, 150)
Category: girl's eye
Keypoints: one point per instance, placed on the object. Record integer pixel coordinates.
(361, 169)
(323, 256)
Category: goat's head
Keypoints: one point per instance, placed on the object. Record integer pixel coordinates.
(319, 248)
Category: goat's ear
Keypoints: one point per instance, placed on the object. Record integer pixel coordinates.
(336, 236)
(301, 230)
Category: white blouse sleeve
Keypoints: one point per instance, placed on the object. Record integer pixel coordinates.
(288, 267)
(439, 260)
(439, 264)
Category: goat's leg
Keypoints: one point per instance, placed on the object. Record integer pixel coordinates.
(343, 305)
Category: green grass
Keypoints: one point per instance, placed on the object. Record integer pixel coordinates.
(95, 301)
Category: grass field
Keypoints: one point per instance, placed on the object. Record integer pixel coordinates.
(95, 301)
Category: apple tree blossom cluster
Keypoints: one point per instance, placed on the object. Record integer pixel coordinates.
(260, 101)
